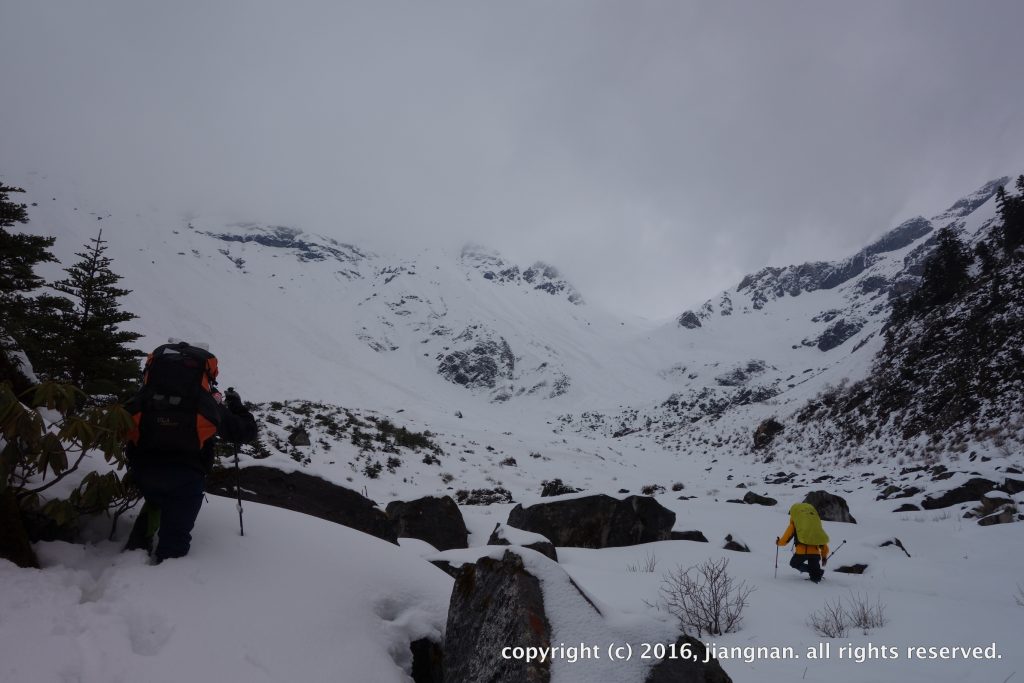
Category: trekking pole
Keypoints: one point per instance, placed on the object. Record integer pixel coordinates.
(832, 554)
(776, 557)
(238, 491)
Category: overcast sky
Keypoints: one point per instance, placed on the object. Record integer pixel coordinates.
(654, 151)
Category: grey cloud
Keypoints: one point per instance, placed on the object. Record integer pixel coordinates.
(655, 151)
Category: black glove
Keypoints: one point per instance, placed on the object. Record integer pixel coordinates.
(233, 401)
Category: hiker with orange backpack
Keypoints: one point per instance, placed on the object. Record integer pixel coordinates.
(811, 542)
(177, 414)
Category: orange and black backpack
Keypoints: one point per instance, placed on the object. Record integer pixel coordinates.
(175, 412)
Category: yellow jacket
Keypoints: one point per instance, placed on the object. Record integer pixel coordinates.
(802, 549)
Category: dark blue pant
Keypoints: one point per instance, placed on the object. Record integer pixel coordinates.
(178, 493)
(808, 563)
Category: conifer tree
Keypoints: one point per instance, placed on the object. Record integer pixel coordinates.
(19, 255)
(93, 353)
(946, 271)
(21, 312)
(1011, 210)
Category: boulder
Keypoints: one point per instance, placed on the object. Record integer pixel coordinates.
(751, 498)
(14, 543)
(307, 494)
(851, 568)
(766, 432)
(689, 536)
(435, 520)
(506, 535)
(495, 604)
(831, 508)
(689, 320)
(735, 544)
(688, 670)
(597, 521)
(991, 502)
(1012, 486)
(971, 490)
(907, 507)
(1003, 515)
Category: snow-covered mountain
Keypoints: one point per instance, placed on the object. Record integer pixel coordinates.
(497, 361)
(455, 371)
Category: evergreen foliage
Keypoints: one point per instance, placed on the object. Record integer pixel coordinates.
(19, 255)
(1011, 210)
(90, 350)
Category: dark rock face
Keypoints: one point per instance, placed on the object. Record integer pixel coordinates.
(838, 332)
(545, 548)
(1003, 515)
(752, 498)
(598, 521)
(682, 670)
(495, 603)
(852, 568)
(14, 543)
(437, 521)
(766, 432)
(907, 507)
(427, 661)
(901, 236)
(307, 494)
(689, 320)
(971, 490)
(732, 544)
(831, 508)
(482, 365)
(689, 536)
(741, 374)
(1012, 486)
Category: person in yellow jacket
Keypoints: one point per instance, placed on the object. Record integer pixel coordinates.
(811, 542)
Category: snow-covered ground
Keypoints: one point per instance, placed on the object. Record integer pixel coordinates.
(301, 599)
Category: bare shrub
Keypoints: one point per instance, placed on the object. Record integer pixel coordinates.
(645, 566)
(831, 621)
(865, 614)
(835, 619)
(705, 598)
(1019, 596)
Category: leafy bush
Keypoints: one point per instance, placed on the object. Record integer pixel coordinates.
(38, 452)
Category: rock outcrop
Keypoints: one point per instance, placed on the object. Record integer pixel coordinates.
(307, 494)
(495, 603)
(598, 521)
(830, 507)
(435, 520)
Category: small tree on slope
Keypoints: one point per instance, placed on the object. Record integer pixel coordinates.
(93, 352)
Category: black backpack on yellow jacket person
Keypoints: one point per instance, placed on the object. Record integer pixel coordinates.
(811, 548)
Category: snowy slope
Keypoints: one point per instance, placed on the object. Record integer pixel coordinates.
(301, 599)
(296, 599)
